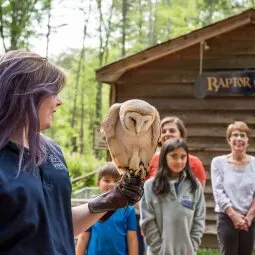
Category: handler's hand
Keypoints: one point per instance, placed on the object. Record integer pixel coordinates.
(128, 192)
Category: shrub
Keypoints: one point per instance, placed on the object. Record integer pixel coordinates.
(81, 165)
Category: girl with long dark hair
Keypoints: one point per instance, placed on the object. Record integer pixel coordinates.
(35, 190)
(173, 205)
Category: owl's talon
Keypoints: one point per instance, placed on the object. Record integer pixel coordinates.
(141, 171)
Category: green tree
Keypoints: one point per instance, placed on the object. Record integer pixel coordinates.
(104, 30)
(80, 88)
(18, 21)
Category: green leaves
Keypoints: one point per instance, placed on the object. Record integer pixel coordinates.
(19, 21)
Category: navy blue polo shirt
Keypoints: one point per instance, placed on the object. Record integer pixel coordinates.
(35, 207)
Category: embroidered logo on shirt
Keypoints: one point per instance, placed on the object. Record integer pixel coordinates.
(187, 202)
(185, 197)
(56, 162)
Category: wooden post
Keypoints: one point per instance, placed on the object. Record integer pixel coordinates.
(201, 57)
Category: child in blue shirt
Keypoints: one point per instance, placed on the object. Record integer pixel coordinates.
(117, 235)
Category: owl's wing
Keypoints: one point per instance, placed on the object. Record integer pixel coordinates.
(108, 126)
(155, 130)
(146, 154)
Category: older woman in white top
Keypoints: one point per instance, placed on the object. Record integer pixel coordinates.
(233, 183)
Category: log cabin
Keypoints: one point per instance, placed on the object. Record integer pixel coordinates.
(174, 76)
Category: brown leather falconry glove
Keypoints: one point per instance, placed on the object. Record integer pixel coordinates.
(127, 192)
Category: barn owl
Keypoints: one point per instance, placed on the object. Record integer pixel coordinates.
(132, 131)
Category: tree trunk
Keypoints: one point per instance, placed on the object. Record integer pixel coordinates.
(48, 29)
(74, 145)
(124, 23)
(102, 57)
(152, 22)
(140, 22)
(82, 119)
(2, 27)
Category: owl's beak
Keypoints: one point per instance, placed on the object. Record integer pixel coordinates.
(138, 128)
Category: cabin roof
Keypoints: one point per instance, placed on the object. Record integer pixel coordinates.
(110, 73)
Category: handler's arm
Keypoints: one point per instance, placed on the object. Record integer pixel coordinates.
(83, 218)
(128, 192)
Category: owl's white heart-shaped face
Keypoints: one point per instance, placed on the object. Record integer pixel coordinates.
(136, 122)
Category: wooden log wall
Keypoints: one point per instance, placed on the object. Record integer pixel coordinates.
(168, 85)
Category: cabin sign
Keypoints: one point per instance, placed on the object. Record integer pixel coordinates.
(223, 83)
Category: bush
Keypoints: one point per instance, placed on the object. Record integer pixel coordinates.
(81, 165)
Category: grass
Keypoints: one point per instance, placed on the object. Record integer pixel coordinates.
(207, 252)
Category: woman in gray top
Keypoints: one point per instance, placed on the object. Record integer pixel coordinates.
(173, 206)
(233, 183)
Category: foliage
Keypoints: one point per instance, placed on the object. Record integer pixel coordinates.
(80, 165)
(18, 21)
(61, 132)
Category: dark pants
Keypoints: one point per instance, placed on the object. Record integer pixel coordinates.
(233, 241)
